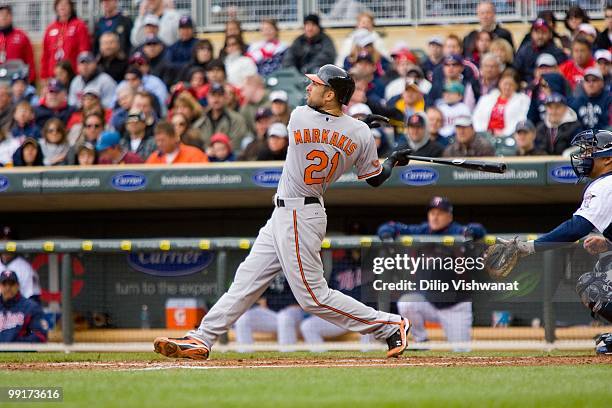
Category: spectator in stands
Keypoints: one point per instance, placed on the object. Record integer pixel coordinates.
(189, 107)
(6, 105)
(435, 121)
(16, 44)
(29, 154)
(560, 124)
(582, 59)
(156, 54)
(268, 53)
(604, 62)
(144, 80)
(404, 67)
(86, 154)
(541, 43)
(54, 142)
(410, 101)
(188, 135)
(170, 150)
(150, 29)
(418, 137)
(263, 120)
(8, 147)
(23, 319)
(113, 20)
(483, 45)
(275, 312)
(220, 149)
(93, 126)
(53, 104)
(312, 49)
(219, 119)
(64, 39)
(279, 105)
(467, 143)
(181, 51)
(125, 98)
(365, 26)
(488, 23)
(144, 102)
(196, 83)
(168, 22)
(233, 27)
(23, 124)
(499, 111)
(110, 150)
(490, 72)
(548, 83)
(575, 16)
(454, 70)
(112, 58)
(21, 90)
(504, 52)
(255, 97)
(435, 56)
(525, 136)
(365, 46)
(135, 139)
(604, 39)
(90, 104)
(237, 66)
(277, 143)
(452, 107)
(201, 55)
(64, 73)
(454, 46)
(593, 104)
(216, 74)
(91, 76)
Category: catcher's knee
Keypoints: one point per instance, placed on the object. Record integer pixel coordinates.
(595, 292)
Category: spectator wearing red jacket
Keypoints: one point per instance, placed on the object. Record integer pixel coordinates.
(15, 43)
(64, 38)
(582, 58)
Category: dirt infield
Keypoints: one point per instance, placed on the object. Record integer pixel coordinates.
(302, 363)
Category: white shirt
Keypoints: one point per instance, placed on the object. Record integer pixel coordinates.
(322, 148)
(134, 144)
(29, 284)
(596, 204)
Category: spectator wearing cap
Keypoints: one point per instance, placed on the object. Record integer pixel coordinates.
(548, 83)
(311, 50)
(435, 56)
(29, 154)
(418, 138)
(54, 142)
(592, 105)
(452, 107)
(277, 143)
(404, 69)
(157, 56)
(491, 68)
(467, 142)
(15, 43)
(220, 119)
(220, 149)
(64, 39)
(113, 20)
(541, 43)
(181, 51)
(216, 73)
(499, 111)
(22, 90)
(89, 131)
(8, 147)
(201, 55)
(255, 96)
(89, 75)
(268, 53)
(90, 103)
(112, 59)
(604, 62)
(364, 45)
(487, 19)
(138, 76)
(365, 26)
(86, 154)
(23, 320)
(560, 124)
(167, 18)
(359, 111)
(125, 98)
(604, 39)
(454, 70)
(435, 122)
(135, 139)
(263, 120)
(410, 101)
(454, 46)
(573, 69)
(524, 137)
(279, 105)
(545, 64)
(23, 124)
(170, 150)
(110, 150)
(237, 65)
(53, 104)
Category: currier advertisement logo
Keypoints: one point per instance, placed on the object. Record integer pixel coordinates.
(4, 183)
(170, 263)
(267, 177)
(129, 181)
(563, 174)
(419, 176)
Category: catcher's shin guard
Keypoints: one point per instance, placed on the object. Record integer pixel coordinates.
(184, 347)
(603, 344)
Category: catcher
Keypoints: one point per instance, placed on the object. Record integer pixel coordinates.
(593, 159)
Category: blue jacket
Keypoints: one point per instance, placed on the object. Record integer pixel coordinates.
(592, 112)
(22, 320)
(394, 229)
(120, 24)
(526, 56)
(30, 130)
(179, 53)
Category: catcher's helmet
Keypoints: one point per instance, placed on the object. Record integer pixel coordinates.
(337, 79)
(591, 144)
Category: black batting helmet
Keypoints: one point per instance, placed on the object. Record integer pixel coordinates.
(337, 79)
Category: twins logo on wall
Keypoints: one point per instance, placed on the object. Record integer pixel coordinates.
(170, 263)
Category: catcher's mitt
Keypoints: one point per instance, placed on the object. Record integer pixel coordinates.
(500, 258)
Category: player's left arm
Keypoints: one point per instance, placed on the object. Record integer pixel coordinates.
(397, 158)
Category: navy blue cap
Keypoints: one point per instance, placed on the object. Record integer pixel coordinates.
(441, 203)
(455, 58)
(216, 88)
(152, 39)
(555, 98)
(55, 85)
(185, 22)
(415, 120)
(525, 126)
(8, 276)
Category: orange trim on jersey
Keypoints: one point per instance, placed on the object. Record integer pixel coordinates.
(312, 295)
(374, 173)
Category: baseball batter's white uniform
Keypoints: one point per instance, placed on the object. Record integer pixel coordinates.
(322, 147)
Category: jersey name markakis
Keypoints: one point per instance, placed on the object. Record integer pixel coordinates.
(326, 136)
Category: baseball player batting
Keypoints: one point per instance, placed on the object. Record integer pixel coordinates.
(323, 144)
(593, 160)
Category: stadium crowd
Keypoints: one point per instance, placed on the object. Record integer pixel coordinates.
(151, 90)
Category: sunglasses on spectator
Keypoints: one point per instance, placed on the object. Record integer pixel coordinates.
(591, 79)
(93, 125)
(52, 130)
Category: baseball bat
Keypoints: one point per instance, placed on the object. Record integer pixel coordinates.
(489, 167)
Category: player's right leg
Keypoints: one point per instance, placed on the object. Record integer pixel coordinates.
(252, 278)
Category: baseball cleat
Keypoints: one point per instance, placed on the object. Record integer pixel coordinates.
(603, 342)
(184, 347)
(399, 340)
